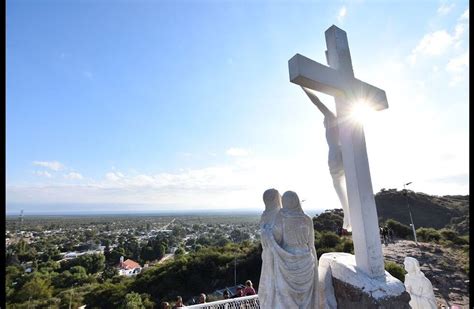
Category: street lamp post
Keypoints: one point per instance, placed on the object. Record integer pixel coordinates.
(409, 211)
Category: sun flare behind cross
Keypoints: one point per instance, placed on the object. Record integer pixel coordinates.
(361, 111)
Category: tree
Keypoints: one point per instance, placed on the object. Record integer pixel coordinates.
(24, 251)
(148, 254)
(179, 251)
(113, 257)
(37, 288)
(106, 295)
(49, 268)
(329, 220)
(237, 235)
(93, 263)
(12, 273)
(133, 301)
(109, 272)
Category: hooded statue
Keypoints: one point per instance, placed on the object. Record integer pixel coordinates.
(418, 286)
(266, 288)
(295, 264)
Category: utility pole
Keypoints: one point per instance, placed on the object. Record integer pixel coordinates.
(21, 219)
(409, 211)
(235, 271)
(70, 298)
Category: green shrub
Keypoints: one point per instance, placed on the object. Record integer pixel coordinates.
(396, 270)
(452, 236)
(329, 239)
(317, 239)
(448, 234)
(345, 245)
(399, 229)
(428, 234)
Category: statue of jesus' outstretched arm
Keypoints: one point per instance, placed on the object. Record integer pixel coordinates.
(326, 112)
(335, 163)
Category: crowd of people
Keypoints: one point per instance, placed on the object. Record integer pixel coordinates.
(247, 291)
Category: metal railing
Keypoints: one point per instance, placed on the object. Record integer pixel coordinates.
(245, 302)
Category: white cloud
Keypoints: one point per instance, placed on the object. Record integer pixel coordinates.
(73, 176)
(237, 185)
(52, 165)
(459, 63)
(445, 8)
(43, 174)
(440, 42)
(459, 31)
(435, 43)
(457, 67)
(342, 13)
(241, 183)
(237, 152)
(465, 15)
(114, 176)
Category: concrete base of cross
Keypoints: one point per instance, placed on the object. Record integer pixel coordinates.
(343, 285)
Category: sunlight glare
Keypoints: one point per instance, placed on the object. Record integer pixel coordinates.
(361, 111)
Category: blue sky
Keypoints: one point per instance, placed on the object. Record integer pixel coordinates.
(153, 105)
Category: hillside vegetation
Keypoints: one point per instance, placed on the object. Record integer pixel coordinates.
(449, 211)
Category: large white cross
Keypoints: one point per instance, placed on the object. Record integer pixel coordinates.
(338, 80)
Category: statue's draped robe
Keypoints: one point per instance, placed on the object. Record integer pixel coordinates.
(421, 291)
(266, 287)
(295, 271)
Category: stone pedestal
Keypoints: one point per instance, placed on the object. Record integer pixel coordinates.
(343, 285)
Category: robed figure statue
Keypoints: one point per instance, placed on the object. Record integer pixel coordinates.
(294, 270)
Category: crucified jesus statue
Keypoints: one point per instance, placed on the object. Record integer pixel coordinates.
(336, 168)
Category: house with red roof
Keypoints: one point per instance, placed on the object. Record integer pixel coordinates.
(128, 267)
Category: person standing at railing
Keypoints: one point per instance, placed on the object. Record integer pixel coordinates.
(202, 298)
(179, 303)
(226, 294)
(249, 290)
(238, 293)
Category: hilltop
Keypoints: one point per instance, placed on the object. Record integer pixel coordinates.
(449, 211)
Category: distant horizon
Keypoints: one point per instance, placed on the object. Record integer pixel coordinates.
(203, 212)
(54, 209)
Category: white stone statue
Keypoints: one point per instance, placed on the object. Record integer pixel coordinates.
(336, 168)
(266, 287)
(418, 286)
(295, 264)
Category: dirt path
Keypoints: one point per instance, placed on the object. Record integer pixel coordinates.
(165, 258)
(450, 284)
